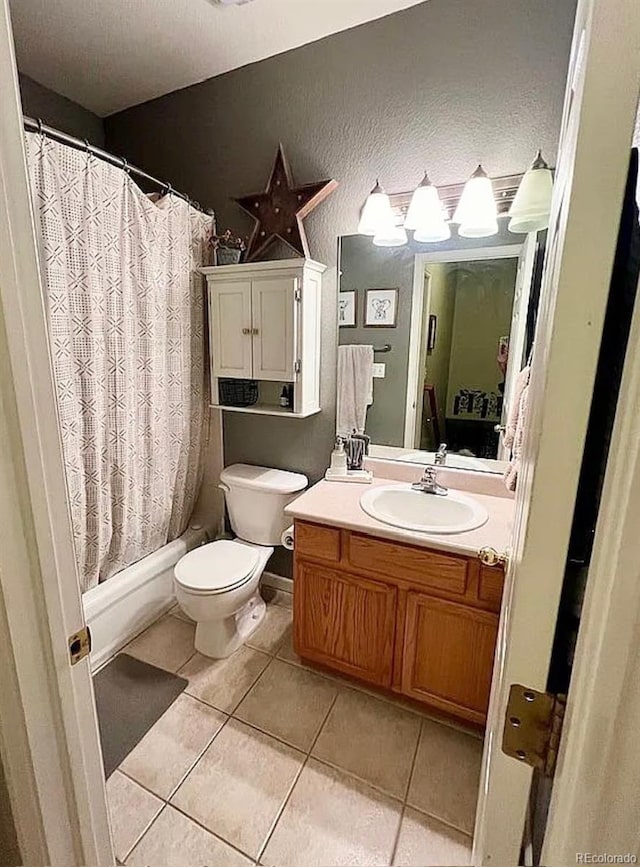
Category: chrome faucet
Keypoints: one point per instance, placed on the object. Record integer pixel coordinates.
(428, 483)
(440, 458)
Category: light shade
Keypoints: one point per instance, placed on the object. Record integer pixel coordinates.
(477, 212)
(390, 235)
(426, 215)
(376, 213)
(531, 207)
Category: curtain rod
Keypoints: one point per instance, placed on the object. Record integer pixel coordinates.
(32, 125)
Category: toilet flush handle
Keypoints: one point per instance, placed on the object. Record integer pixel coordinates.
(224, 487)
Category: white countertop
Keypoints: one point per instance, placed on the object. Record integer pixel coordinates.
(337, 504)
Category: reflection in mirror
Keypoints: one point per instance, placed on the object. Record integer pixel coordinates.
(446, 358)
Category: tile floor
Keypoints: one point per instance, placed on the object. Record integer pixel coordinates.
(264, 761)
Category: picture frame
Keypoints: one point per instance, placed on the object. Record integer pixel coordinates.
(381, 308)
(347, 309)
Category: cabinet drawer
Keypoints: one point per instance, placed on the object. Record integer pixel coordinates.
(428, 568)
(320, 543)
(491, 585)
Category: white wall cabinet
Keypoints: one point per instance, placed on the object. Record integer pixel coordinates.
(264, 325)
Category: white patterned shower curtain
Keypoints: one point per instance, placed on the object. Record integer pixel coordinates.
(126, 323)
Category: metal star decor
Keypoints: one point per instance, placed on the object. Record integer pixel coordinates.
(280, 210)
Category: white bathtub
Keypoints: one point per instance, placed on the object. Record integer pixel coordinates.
(118, 609)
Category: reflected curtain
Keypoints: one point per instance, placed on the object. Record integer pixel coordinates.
(126, 326)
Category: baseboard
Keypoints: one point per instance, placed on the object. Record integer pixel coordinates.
(277, 582)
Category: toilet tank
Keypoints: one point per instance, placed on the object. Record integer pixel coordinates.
(256, 498)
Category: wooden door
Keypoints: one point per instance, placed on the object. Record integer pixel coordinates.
(448, 655)
(273, 326)
(230, 329)
(346, 622)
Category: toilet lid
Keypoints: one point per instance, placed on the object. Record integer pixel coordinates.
(216, 566)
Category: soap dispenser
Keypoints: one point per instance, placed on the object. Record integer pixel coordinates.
(338, 459)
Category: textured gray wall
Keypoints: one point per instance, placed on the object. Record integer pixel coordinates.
(60, 112)
(445, 84)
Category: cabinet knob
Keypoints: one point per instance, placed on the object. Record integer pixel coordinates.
(255, 331)
(246, 331)
(490, 557)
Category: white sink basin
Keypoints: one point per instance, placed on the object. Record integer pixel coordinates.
(401, 506)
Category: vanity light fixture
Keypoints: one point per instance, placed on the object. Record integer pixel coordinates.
(376, 213)
(531, 207)
(426, 215)
(477, 212)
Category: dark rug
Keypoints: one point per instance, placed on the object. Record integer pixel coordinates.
(130, 697)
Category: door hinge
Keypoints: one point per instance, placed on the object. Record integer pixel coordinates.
(297, 367)
(79, 645)
(491, 557)
(533, 727)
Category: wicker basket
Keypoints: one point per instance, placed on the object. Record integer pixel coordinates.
(238, 392)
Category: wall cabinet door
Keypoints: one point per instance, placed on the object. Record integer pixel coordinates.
(273, 323)
(345, 622)
(231, 339)
(448, 655)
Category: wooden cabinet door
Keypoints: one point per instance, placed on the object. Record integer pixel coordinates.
(274, 338)
(448, 655)
(345, 622)
(230, 329)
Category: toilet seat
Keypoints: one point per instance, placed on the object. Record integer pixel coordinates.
(217, 567)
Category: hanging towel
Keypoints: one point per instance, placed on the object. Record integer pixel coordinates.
(511, 474)
(522, 380)
(355, 388)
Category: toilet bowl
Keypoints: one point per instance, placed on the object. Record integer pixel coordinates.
(217, 585)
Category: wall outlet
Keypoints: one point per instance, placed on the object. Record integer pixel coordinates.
(379, 370)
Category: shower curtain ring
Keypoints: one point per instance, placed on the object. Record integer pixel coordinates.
(87, 146)
(39, 122)
(125, 165)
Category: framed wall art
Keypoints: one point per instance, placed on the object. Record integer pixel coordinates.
(381, 308)
(347, 309)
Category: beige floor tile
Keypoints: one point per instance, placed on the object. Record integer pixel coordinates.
(276, 597)
(239, 785)
(286, 651)
(167, 643)
(289, 703)
(426, 842)
(446, 775)
(272, 631)
(173, 744)
(223, 683)
(372, 739)
(132, 809)
(176, 611)
(175, 841)
(332, 818)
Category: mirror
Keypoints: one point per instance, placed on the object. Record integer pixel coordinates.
(451, 326)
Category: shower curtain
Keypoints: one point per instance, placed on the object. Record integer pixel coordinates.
(126, 325)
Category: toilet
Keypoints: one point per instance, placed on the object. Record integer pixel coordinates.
(217, 584)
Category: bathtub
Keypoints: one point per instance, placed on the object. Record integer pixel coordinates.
(118, 609)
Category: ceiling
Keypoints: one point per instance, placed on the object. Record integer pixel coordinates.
(110, 54)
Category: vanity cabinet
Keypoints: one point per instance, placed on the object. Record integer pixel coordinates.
(416, 621)
(264, 326)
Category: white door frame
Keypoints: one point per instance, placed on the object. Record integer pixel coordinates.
(49, 740)
(598, 119)
(419, 308)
